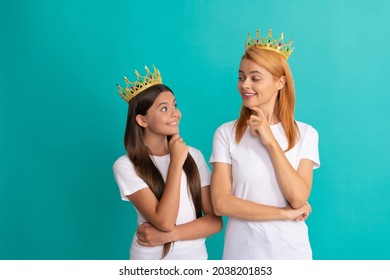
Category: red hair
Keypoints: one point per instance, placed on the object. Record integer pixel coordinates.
(277, 65)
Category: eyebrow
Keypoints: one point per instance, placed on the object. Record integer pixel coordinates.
(166, 102)
(251, 72)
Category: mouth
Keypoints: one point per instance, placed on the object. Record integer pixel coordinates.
(174, 124)
(247, 95)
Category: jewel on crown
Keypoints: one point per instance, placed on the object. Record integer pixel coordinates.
(269, 43)
(142, 83)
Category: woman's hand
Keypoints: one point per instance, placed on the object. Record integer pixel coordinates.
(300, 214)
(260, 126)
(178, 150)
(149, 236)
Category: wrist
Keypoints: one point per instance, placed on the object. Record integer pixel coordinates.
(273, 147)
(174, 235)
(285, 213)
(176, 164)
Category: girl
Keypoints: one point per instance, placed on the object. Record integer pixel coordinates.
(263, 162)
(166, 180)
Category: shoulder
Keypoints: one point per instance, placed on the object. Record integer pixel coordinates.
(193, 150)
(195, 153)
(228, 126)
(307, 132)
(305, 128)
(226, 129)
(122, 162)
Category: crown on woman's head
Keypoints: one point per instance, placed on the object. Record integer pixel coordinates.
(269, 43)
(142, 83)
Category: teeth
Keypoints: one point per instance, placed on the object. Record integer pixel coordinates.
(249, 94)
(173, 123)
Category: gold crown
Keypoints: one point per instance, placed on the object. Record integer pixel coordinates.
(269, 43)
(142, 83)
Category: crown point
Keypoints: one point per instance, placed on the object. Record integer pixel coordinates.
(270, 43)
(141, 83)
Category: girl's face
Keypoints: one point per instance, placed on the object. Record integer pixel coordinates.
(163, 117)
(257, 87)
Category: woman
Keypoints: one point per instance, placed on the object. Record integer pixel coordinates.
(166, 181)
(263, 162)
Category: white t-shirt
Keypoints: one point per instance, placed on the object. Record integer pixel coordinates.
(129, 183)
(254, 179)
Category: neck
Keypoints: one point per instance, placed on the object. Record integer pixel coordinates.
(157, 144)
(271, 113)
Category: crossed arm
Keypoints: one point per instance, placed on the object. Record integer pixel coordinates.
(225, 203)
(148, 235)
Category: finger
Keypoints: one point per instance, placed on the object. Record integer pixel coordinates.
(254, 122)
(139, 236)
(254, 118)
(179, 140)
(309, 207)
(256, 110)
(300, 218)
(254, 132)
(297, 219)
(175, 137)
(261, 114)
(142, 243)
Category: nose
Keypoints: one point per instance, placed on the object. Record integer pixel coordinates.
(175, 112)
(245, 84)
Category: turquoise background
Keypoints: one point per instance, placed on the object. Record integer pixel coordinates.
(62, 124)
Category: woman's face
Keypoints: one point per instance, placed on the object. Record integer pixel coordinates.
(163, 116)
(257, 87)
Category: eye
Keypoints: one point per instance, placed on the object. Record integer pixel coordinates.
(164, 109)
(241, 78)
(256, 79)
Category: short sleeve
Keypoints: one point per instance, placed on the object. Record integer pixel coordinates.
(126, 177)
(310, 147)
(204, 170)
(221, 146)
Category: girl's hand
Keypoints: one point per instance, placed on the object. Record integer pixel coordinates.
(260, 126)
(298, 215)
(149, 236)
(177, 149)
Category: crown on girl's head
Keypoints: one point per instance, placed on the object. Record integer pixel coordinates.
(142, 83)
(269, 43)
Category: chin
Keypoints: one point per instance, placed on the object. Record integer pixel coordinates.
(172, 132)
(249, 104)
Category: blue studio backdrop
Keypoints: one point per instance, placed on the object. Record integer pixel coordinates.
(62, 122)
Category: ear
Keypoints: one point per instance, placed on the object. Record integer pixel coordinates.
(141, 121)
(281, 82)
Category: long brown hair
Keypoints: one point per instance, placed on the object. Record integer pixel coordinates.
(277, 65)
(139, 153)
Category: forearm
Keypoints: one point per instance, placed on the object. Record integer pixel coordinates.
(199, 228)
(150, 236)
(226, 204)
(232, 206)
(294, 188)
(168, 206)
